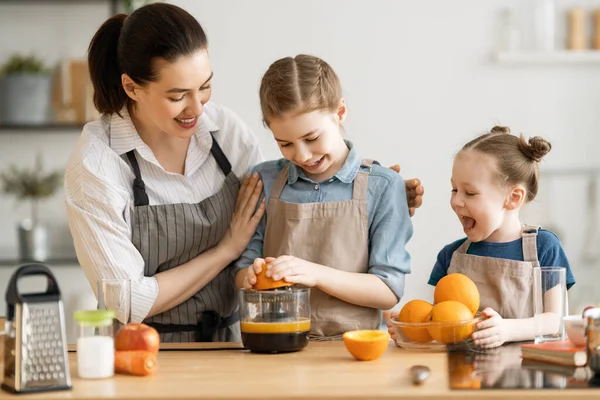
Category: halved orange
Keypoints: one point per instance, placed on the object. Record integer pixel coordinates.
(264, 282)
(366, 345)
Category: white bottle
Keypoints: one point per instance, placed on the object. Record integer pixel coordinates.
(509, 34)
(95, 357)
(95, 344)
(545, 25)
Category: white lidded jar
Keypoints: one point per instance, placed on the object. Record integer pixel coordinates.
(95, 344)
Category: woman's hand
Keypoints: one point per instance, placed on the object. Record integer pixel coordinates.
(245, 217)
(414, 192)
(295, 270)
(491, 332)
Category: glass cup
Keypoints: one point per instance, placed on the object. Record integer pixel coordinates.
(115, 294)
(549, 303)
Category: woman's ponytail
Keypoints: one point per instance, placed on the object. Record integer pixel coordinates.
(104, 65)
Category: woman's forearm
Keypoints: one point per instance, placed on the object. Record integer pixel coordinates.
(178, 284)
(356, 288)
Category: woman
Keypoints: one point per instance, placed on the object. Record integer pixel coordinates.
(153, 189)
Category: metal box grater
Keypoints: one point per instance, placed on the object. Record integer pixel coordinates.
(35, 343)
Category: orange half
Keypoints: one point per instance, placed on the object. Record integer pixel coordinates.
(264, 282)
(366, 345)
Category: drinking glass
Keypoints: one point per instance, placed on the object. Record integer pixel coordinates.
(549, 303)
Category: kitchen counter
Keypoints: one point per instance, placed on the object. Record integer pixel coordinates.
(323, 370)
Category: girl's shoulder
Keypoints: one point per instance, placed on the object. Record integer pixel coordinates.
(547, 236)
(271, 167)
(382, 175)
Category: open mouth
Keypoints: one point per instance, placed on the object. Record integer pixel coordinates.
(468, 223)
(187, 123)
(314, 165)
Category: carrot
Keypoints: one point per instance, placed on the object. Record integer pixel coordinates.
(136, 362)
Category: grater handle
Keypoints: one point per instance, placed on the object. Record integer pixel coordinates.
(12, 294)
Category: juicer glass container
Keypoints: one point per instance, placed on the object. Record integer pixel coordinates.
(276, 320)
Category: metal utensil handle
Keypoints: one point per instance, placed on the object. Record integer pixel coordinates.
(12, 293)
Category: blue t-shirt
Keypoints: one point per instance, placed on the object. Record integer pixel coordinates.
(549, 249)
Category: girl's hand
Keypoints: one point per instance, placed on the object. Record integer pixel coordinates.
(245, 217)
(295, 270)
(414, 192)
(393, 314)
(491, 332)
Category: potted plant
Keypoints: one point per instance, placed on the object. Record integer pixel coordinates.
(34, 185)
(25, 91)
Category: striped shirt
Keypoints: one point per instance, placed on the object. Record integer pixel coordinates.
(99, 193)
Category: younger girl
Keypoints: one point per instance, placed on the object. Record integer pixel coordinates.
(492, 177)
(333, 222)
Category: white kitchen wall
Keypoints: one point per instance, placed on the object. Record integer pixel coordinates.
(418, 78)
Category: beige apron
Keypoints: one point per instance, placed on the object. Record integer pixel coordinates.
(335, 234)
(504, 285)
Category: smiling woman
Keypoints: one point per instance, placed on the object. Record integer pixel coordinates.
(154, 188)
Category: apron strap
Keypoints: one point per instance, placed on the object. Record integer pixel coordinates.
(140, 197)
(529, 234)
(218, 154)
(359, 186)
(280, 182)
(361, 181)
(462, 249)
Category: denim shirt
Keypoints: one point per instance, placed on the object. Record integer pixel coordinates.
(390, 226)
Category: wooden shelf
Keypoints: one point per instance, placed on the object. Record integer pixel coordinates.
(67, 127)
(9, 257)
(588, 57)
(112, 4)
(8, 262)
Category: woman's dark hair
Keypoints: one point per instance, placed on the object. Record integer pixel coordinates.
(131, 45)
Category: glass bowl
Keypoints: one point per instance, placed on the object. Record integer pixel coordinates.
(441, 336)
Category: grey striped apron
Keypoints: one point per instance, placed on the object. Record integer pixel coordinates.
(169, 235)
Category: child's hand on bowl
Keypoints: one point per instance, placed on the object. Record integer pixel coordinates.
(492, 331)
(388, 322)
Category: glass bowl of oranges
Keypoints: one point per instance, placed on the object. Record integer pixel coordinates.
(447, 323)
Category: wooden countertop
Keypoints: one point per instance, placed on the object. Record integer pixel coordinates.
(323, 370)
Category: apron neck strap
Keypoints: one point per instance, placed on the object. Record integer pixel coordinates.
(529, 234)
(219, 156)
(280, 182)
(361, 181)
(529, 243)
(359, 186)
(140, 197)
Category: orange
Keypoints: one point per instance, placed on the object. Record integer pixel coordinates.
(366, 345)
(449, 315)
(457, 287)
(416, 311)
(462, 372)
(264, 282)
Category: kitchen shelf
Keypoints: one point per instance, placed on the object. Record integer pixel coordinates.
(587, 57)
(9, 257)
(70, 127)
(112, 4)
(9, 262)
(583, 171)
